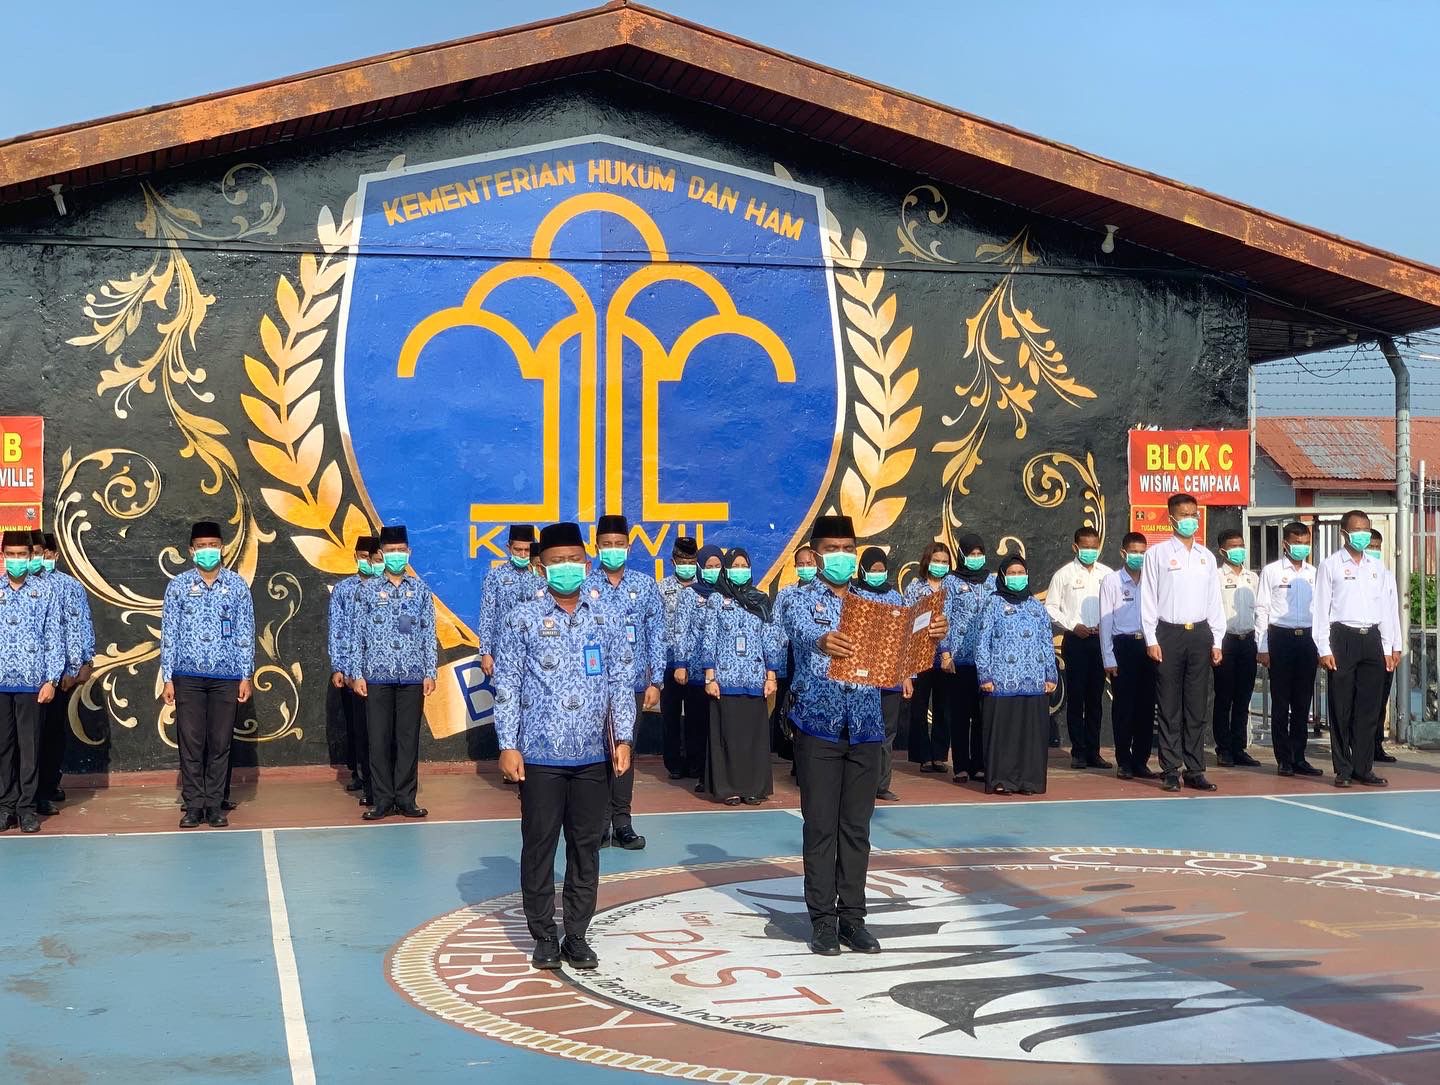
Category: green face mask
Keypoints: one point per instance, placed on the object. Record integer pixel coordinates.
(520, 562)
(395, 562)
(565, 577)
(738, 576)
(208, 558)
(710, 576)
(17, 567)
(37, 565)
(685, 571)
(1186, 526)
(1359, 540)
(939, 569)
(974, 562)
(613, 557)
(1017, 581)
(1299, 551)
(876, 580)
(1235, 555)
(1135, 562)
(806, 573)
(1374, 553)
(362, 566)
(839, 568)
(49, 564)
(1088, 555)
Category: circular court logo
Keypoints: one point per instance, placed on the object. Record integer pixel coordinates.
(1123, 958)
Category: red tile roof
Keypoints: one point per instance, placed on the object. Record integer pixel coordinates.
(1330, 453)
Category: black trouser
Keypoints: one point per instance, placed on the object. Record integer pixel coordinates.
(19, 752)
(967, 725)
(1182, 680)
(1354, 691)
(1133, 713)
(685, 726)
(930, 716)
(1084, 694)
(392, 716)
(54, 730)
(552, 798)
(357, 737)
(891, 702)
(204, 727)
(1384, 707)
(837, 800)
(1293, 662)
(622, 787)
(1234, 685)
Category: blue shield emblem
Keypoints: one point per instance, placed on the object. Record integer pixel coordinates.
(586, 327)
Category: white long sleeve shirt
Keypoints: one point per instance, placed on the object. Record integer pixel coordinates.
(1284, 600)
(1180, 585)
(1237, 597)
(1358, 593)
(1073, 597)
(1119, 611)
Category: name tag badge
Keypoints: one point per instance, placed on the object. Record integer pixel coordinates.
(226, 629)
(196, 589)
(593, 661)
(406, 623)
(740, 645)
(629, 632)
(547, 628)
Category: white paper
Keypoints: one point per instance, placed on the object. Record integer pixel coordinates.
(922, 621)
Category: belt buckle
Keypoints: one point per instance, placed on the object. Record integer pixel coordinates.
(1189, 626)
(1299, 632)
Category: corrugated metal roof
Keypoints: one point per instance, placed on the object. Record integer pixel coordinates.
(1326, 452)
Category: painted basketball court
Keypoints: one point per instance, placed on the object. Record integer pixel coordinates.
(1095, 934)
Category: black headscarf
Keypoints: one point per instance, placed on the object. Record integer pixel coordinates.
(1010, 596)
(869, 557)
(745, 595)
(699, 586)
(964, 544)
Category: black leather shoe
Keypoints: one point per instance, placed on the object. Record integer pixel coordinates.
(366, 800)
(1054, 743)
(217, 819)
(546, 956)
(7, 822)
(46, 808)
(354, 785)
(228, 805)
(1224, 760)
(1079, 763)
(1170, 783)
(414, 812)
(377, 813)
(888, 796)
(1198, 782)
(191, 820)
(676, 775)
(1243, 758)
(629, 839)
(1144, 772)
(58, 795)
(1388, 758)
(29, 822)
(607, 837)
(857, 936)
(1307, 769)
(825, 940)
(1098, 763)
(578, 954)
(1372, 781)
(1122, 773)
(1342, 781)
(1284, 770)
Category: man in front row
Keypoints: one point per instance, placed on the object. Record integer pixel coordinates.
(1235, 676)
(1131, 671)
(564, 718)
(839, 730)
(1284, 605)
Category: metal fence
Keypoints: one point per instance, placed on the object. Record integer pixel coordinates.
(1424, 721)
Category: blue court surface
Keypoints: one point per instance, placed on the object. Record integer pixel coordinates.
(1290, 938)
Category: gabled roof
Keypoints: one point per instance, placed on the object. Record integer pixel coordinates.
(1341, 453)
(1308, 289)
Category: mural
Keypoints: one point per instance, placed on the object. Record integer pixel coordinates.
(528, 315)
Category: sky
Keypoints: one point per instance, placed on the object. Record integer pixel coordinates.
(1323, 111)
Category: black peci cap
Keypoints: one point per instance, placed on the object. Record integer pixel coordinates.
(685, 547)
(395, 535)
(367, 544)
(833, 527)
(205, 529)
(566, 534)
(522, 533)
(612, 525)
(15, 538)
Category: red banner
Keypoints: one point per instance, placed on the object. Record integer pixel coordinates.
(1211, 464)
(1153, 521)
(22, 473)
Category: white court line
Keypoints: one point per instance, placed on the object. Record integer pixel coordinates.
(1355, 817)
(297, 1035)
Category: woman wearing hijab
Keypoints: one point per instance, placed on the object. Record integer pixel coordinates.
(739, 652)
(930, 705)
(873, 578)
(973, 587)
(689, 623)
(1015, 664)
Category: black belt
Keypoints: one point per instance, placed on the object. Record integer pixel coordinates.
(1242, 636)
(1181, 625)
(1363, 630)
(1301, 631)
(1129, 636)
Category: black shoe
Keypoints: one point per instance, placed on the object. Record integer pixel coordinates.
(607, 837)
(578, 954)
(1122, 773)
(58, 795)
(1171, 782)
(933, 766)
(700, 789)
(1079, 763)
(377, 813)
(677, 776)
(825, 940)
(46, 808)
(7, 822)
(1144, 772)
(888, 796)
(1224, 760)
(191, 820)
(1244, 759)
(1198, 782)
(857, 936)
(1342, 781)
(1098, 762)
(228, 805)
(367, 800)
(1371, 780)
(1054, 743)
(414, 812)
(1304, 768)
(30, 822)
(355, 784)
(546, 956)
(1388, 758)
(977, 777)
(629, 839)
(1284, 770)
(217, 819)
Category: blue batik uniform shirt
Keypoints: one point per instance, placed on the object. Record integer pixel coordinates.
(782, 599)
(738, 646)
(562, 680)
(392, 641)
(637, 600)
(681, 607)
(342, 621)
(78, 631)
(32, 649)
(970, 600)
(505, 587)
(207, 630)
(1015, 648)
(825, 708)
